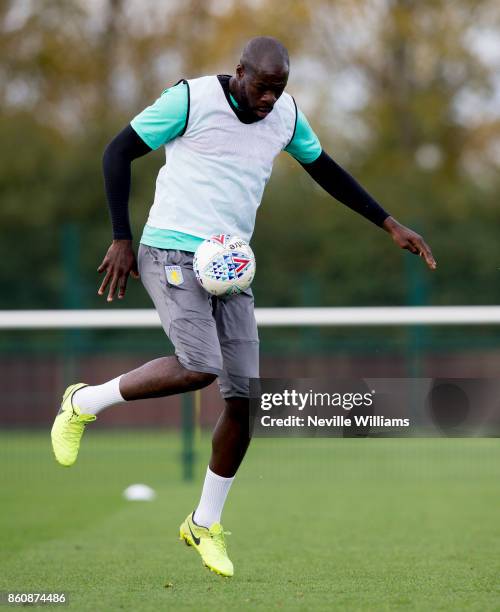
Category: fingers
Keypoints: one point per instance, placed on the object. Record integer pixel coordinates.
(112, 287)
(118, 264)
(122, 286)
(135, 271)
(421, 248)
(426, 253)
(105, 281)
(409, 240)
(115, 280)
(112, 278)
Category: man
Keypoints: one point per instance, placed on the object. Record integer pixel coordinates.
(221, 135)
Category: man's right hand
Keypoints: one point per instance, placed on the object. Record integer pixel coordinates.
(118, 264)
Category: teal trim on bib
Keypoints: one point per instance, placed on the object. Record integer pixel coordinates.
(233, 100)
(169, 239)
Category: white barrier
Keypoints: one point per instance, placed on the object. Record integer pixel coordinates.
(276, 317)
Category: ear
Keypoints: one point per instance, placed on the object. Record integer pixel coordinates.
(240, 71)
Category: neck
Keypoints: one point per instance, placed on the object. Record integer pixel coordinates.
(235, 90)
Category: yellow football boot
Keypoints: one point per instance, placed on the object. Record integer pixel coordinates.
(210, 543)
(68, 428)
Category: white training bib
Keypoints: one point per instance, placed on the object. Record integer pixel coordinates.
(215, 174)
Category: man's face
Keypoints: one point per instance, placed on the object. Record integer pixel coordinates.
(260, 89)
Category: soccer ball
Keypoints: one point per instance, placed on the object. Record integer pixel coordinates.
(224, 265)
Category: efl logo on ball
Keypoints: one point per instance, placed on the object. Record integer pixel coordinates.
(224, 265)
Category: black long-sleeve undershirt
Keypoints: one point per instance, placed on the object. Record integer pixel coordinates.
(128, 145)
(344, 188)
(116, 161)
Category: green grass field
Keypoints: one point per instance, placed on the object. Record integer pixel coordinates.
(317, 524)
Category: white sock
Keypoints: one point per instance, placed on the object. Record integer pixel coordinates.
(91, 400)
(213, 497)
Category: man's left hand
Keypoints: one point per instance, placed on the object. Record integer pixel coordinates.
(409, 240)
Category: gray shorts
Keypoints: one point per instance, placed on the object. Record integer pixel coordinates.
(210, 334)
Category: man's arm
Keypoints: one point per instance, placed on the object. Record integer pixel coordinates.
(343, 187)
(116, 162)
(306, 149)
(157, 124)
(120, 260)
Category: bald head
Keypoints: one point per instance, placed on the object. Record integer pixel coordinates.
(265, 54)
(261, 75)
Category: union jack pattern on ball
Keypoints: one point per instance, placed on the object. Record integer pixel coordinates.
(227, 266)
(224, 265)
